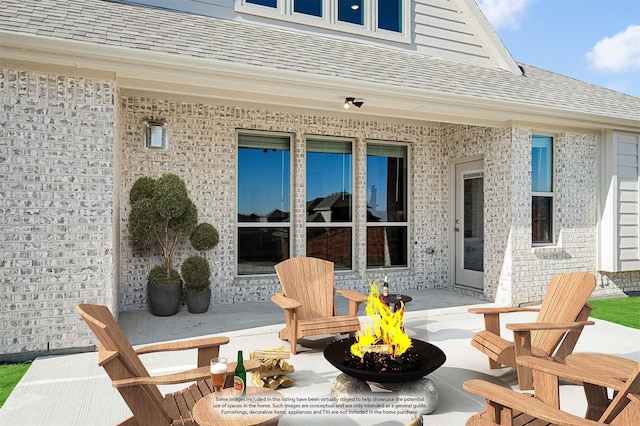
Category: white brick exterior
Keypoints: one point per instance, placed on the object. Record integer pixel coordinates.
(57, 173)
(71, 148)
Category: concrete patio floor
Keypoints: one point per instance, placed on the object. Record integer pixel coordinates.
(73, 390)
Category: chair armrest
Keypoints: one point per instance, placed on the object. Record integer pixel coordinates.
(355, 299)
(498, 397)
(193, 375)
(501, 310)
(532, 326)
(285, 302)
(583, 372)
(183, 345)
(353, 295)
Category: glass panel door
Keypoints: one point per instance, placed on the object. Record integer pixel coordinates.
(469, 224)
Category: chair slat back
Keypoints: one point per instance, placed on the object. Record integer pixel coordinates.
(621, 400)
(309, 281)
(111, 337)
(566, 296)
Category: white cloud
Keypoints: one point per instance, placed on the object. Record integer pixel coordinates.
(504, 13)
(620, 53)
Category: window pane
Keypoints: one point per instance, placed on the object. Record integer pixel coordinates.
(332, 244)
(386, 246)
(474, 222)
(386, 183)
(390, 15)
(541, 164)
(263, 178)
(308, 7)
(268, 3)
(329, 181)
(351, 11)
(260, 249)
(541, 219)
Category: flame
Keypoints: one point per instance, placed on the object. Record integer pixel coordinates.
(387, 327)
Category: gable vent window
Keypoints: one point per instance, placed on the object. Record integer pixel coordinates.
(385, 19)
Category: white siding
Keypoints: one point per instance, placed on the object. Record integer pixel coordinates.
(446, 29)
(620, 231)
(441, 31)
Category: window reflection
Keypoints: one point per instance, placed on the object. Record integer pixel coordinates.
(386, 204)
(268, 3)
(260, 249)
(329, 187)
(386, 246)
(263, 237)
(473, 206)
(351, 11)
(390, 15)
(542, 188)
(333, 244)
(329, 181)
(263, 179)
(308, 7)
(541, 219)
(386, 184)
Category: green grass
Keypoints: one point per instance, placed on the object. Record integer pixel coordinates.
(623, 311)
(10, 375)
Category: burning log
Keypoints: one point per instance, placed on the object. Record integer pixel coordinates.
(384, 363)
(387, 331)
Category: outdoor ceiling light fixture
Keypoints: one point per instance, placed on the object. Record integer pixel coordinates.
(352, 101)
(156, 135)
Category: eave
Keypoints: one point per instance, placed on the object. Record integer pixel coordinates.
(143, 71)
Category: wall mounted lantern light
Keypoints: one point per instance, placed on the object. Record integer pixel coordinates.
(352, 101)
(156, 135)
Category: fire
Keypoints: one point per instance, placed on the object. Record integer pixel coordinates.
(386, 333)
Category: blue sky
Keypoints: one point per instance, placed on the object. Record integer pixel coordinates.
(597, 41)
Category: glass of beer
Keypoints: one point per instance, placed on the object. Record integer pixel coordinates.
(218, 373)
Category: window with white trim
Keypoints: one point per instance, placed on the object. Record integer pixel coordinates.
(387, 19)
(542, 189)
(387, 226)
(329, 200)
(264, 202)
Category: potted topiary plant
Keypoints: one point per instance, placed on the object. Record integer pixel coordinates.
(196, 274)
(161, 212)
(197, 281)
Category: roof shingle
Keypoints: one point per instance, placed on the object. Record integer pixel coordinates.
(269, 47)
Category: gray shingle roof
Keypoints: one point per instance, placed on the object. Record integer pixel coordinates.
(269, 47)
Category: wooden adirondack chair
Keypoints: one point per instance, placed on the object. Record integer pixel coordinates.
(596, 372)
(561, 318)
(308, 301)
(138, 389)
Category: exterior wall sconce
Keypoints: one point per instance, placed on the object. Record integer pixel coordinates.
(352, 101)
(156, 135)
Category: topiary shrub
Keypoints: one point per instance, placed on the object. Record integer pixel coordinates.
(161, 212)
(158, 275)
(204, 237)
(196, 274)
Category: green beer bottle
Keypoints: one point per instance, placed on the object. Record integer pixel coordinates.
(240, 378)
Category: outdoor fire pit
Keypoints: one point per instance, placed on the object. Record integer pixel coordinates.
(382, 355)
(428, 357)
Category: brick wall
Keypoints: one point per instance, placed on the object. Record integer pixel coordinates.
(202, 151)
(56, 190)
(69, 155)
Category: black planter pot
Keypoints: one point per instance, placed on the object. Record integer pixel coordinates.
(164, 298)
(198, 303)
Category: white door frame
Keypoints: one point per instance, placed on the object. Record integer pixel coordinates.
(478, 277)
